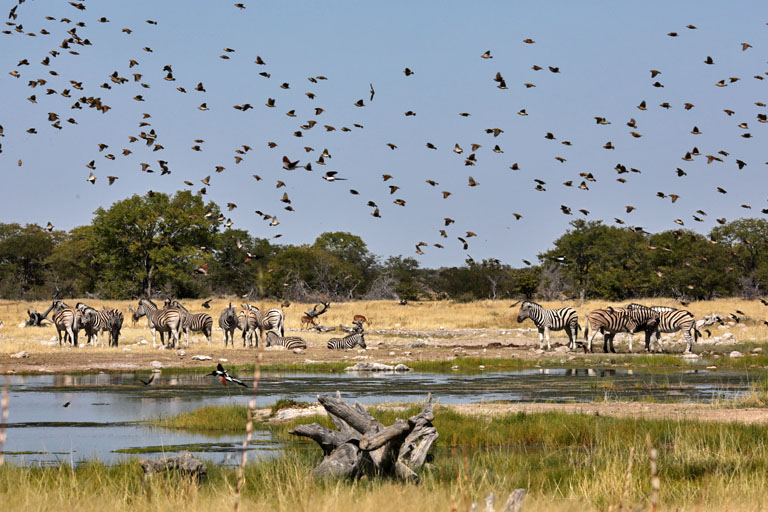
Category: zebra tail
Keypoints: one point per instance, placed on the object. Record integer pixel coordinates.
(696, 335)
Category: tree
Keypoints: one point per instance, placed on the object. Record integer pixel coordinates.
(746, 239)
(146, 242)
(72, 263)
(23, 254)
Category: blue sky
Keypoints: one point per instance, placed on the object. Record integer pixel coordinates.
(604, 51)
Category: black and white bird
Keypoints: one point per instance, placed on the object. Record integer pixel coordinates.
(224, 376)
(331, 176)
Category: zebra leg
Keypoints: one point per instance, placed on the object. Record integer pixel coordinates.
(571, 345)
(546, 333)
(74, 336)
(541, 338)
(688, 341)
(630, 343)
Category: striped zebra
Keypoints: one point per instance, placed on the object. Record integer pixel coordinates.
(673, 320)
(114, 325)
(66, 319)
(289, 342)
(550, 320)
(95, 322)
(612, 320)
(160, 320)
(347, 342)
(248, 323)
(228, 324)
(195, 322)
(269, 320)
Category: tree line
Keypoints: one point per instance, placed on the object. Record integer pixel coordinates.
(178, 245)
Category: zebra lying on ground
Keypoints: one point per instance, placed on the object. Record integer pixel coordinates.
(160, 320)
(550, 320)
(673, 320)
(228, 324)
(612, 320)
(95, 322)
(347, 341)
(195, 322)
(269, 320)
(289, 342)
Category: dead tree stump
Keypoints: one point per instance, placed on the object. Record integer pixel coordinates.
(364, 447)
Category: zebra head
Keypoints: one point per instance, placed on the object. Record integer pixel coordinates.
(525, 310)
(142, 309)
(361, 342)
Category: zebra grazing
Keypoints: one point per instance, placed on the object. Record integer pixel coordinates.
(160, 320)
(550, 320)
(612, 320)
(247, 322)
(347, 342)
(95, 322)
(195, 322)
(66, 319)
(228, 324)
(673, 320)
(289, 342)
(269, 320)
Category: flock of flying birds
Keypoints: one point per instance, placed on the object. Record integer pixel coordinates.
(44, 80)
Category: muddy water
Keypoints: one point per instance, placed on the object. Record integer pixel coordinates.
(105, 413)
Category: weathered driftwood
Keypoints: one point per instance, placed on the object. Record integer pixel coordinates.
(35, 319)
(363, 446)
(186, 464)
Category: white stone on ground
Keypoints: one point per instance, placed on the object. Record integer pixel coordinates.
(156, 364)
(201, 358)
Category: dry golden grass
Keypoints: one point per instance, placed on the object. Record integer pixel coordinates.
(384, 315)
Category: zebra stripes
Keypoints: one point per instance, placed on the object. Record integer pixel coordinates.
(162, 321)
(347, 342)
(195, 322)
(228, 324)
(612, 320)
(673, 320)
(289, 342)
(248, 323)
(95, 322)
(66, 320)
(550, 320)
(269, 320)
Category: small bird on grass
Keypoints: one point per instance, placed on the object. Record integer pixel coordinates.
(224, 376)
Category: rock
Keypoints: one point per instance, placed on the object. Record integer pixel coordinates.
(417, 344)
(143, 342)
(538, 351)
(20, 355)
(185, 464)
(221, 359)
(365, 366)
(181, 353)
(298, 351)
(201, 358)
(563, 349)
(289, 414)
(156, 364)
(391, 354)
(455, 367)
(690, 357)
(54, 338)
(735, 353)
(757, 350)
(481, 367)
(22, 324)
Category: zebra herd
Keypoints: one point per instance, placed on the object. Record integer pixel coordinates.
(174, 319)
(634, 318)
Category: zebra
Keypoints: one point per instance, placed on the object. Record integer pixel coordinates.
(269, 320)
(114, 325)
(195, 322)
(160, 320)
(96, 322)
(673, 320)
(228, 323)
(66, 319)
(347, 341)
(247, 322)
(289, 342)
(550, 320)
(612, 320)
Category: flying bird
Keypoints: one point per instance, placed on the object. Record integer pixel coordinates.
(224, 376)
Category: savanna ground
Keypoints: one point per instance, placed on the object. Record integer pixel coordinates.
(567, 456)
